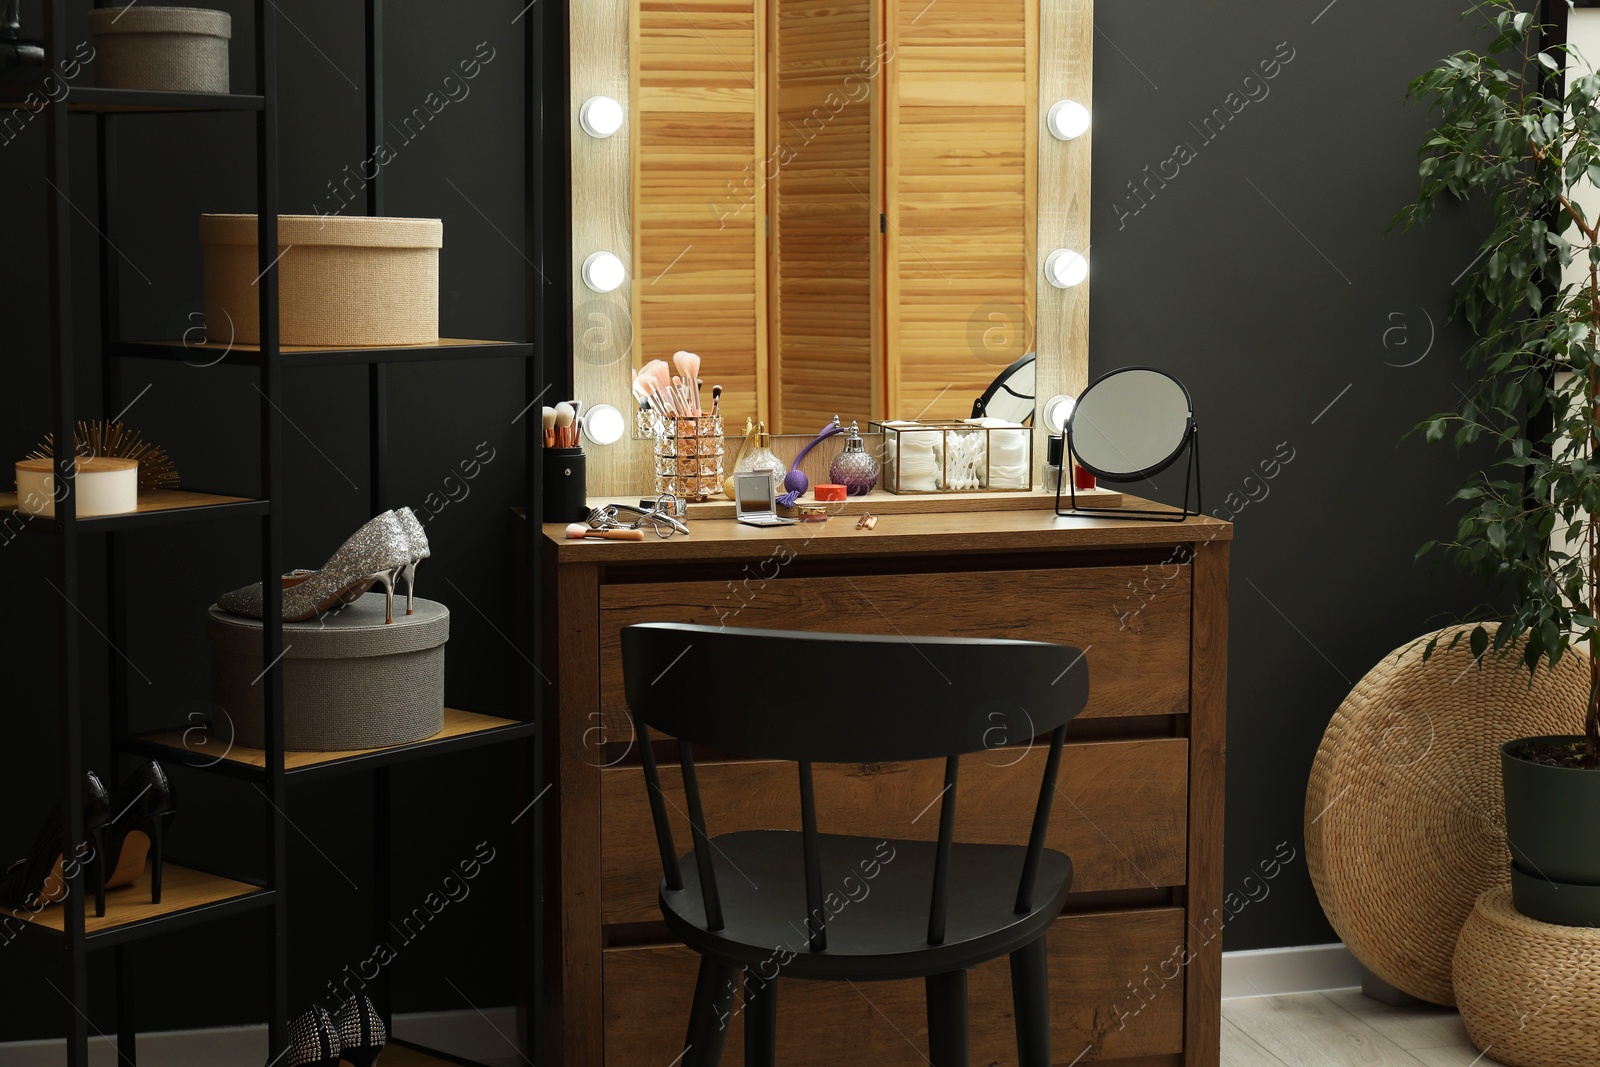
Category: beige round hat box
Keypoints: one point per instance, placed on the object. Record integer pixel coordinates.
(342, 281)
(164, 49)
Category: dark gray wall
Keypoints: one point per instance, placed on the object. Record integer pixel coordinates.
(1262, 277)
(1260, 274)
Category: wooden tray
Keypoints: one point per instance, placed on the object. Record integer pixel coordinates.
(879, 502)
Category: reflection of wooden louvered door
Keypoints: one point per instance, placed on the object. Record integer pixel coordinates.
(699, 201)
(823, 83)
(960, 152)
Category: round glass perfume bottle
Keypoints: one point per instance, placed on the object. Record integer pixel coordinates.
(760, 456)
(854, 468)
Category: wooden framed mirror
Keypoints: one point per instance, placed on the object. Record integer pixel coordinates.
(844, 208)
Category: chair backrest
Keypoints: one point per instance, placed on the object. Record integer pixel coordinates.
(752, 693)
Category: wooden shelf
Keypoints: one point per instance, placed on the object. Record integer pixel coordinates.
(159, 507)
(462, 730)
(187, 896)
(207, 354)
(15, 95)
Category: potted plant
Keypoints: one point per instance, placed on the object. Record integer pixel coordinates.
(1506, 139)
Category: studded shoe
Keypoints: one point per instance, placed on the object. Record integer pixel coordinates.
(313, 1041)
(361, 1031)
(378, 552)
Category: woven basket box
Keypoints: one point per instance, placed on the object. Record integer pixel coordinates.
(349, 680)
(167, 49)
(341, 281)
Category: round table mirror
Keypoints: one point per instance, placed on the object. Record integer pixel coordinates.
(1011, 395)
(1130, 424)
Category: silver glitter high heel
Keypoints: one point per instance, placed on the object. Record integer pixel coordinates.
(378, 552)
(419, 551)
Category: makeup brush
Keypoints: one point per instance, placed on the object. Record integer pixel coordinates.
(699, 385)
(549, 427)
(688, 365)
(563, 424)
(577, 421)
(578, 531)
(681, 394)
(716, 400)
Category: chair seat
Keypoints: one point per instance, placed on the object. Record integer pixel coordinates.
(877, 895)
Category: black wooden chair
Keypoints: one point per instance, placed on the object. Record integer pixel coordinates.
(773, 903)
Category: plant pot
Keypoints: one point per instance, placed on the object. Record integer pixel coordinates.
(1552, 816)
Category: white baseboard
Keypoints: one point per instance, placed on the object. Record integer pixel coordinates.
(485, 1037)
(1271, 972)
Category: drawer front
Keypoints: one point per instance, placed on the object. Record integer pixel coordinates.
(1132, 622)
(1120, 811)
(1096, 961)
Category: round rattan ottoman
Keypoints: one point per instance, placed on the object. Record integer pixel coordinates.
(1529, 992)
(1405, 817)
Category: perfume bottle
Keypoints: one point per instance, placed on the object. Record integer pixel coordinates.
(760, 456)
(854, 468)
(744, 450)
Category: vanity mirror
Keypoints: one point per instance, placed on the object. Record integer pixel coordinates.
(1131, 425)
(862, 208)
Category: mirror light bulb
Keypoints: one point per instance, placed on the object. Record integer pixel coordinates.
(600, 116)
(603, 424)
(1067, 120)
(603, 272)
(1066, 268)
(1057, 410)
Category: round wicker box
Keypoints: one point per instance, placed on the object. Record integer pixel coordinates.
(342, 281)
(1529, 992)
(167, 49)
(350, 681)
(1405, 817)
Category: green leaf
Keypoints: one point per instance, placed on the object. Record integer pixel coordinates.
(1479, 642)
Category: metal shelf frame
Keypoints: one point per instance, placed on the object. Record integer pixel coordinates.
(547, 329)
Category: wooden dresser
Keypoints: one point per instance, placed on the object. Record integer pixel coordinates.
(1135, 957)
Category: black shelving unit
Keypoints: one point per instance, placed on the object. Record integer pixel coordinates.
(194, 895)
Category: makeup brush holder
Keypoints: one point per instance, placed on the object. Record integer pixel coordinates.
(566, 485)
(688, 456)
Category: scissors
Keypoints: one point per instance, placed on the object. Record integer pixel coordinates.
(661, 519)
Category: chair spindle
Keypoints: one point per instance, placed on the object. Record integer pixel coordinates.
(702, 840)
(816, 914)
(1041, 822)
(658, 808)
(939, 909)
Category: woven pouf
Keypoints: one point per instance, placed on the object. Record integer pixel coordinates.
(1405, 817)
(1529, 992)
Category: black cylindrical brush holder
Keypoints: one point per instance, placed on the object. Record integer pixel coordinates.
(566, 494)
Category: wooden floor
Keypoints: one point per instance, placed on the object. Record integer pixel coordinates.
(1342, 1029)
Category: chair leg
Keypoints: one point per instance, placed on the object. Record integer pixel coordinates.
(1030, 1000)
(947, 1019)
(708, 1018)
(760, 1021)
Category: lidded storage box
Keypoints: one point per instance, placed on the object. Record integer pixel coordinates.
(341, 281)
(167, 49)
(349, 680)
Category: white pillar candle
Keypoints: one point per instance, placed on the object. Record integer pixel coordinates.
(104, 486)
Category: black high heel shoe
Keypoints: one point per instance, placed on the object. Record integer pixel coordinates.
(313, 1041)
(141, 811)
(361, 1032)
(40, 880)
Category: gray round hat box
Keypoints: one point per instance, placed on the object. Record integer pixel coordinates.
(350, 681)
(164, 49)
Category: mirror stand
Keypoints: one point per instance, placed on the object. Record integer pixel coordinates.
(1087, 510)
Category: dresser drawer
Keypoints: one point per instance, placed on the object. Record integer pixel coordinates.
(1132, 623)
(1096, 960)
(1120, 811)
